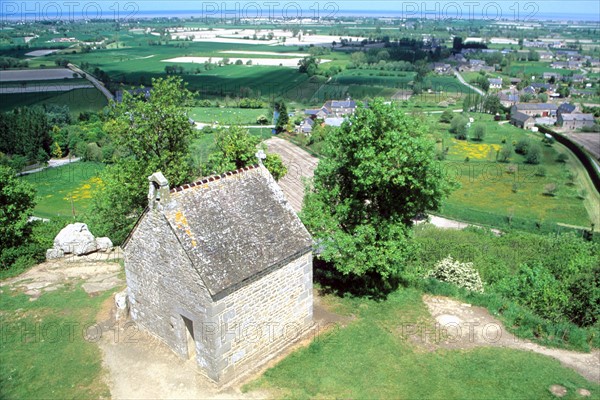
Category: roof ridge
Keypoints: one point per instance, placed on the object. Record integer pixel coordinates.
(213, 178)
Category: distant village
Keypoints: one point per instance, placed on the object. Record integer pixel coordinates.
(521, 97)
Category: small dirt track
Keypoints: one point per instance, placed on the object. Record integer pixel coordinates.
(467, 326)
(300, 165)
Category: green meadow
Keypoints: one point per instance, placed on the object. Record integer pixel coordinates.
(512, 194)
(372, 357)
(66, 190)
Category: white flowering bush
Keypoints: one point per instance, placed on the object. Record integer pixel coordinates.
(458, 273)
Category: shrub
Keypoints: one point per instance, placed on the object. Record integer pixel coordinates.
(522, 146)
(93, 152)
(541, 171)
(446, 116)
(534, 155)
(536, 288)
(457, 273)
(562, 157)
(505, 153)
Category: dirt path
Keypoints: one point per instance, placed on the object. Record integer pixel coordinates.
(140, 366)
(462, 326)
(99, 272)
(300, 165)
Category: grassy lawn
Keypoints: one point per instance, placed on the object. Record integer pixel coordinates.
(62, 189)
(490, 195)
(44, 351)
(370, 358)
(228, 116)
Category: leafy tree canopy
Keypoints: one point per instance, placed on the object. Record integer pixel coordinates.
(154, 134)
(17, 199)
(378, 172)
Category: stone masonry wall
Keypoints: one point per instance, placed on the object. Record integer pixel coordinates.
(232, 335)
(260, 319)
(163, 286)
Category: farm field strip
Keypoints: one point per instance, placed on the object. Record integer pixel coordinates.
(285, 62)
(264, 53)
(44, 88)
(35, 74)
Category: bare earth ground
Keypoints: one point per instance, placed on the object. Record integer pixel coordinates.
(99, 272)
(462, 326)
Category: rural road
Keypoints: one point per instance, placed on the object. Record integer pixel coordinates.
(51, 164)
(462, 80)
(99, 85)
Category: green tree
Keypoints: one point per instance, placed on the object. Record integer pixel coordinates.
(505, 153)
(282, 121)
(153, 134)
(378, 172)
(492, 105)
(479, 132)
(157, 130)
(458, 126)
(447, 116)
(275, 165)
(236, 148)
(17, 199)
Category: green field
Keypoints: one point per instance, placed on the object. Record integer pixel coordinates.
(491, 195)
(228, 116)
(372, 358)
(536, 68)
(65, 190)
(78, 100)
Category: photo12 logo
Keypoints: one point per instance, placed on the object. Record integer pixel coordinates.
(471, 10)
(268, 10)
(36, 11)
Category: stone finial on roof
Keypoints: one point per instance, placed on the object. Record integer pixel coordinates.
(158, 191)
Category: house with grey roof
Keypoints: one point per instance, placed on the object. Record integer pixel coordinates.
(535, 109)
(495, 83)
(306, 126)
(522, 120)
(220, 270)
(575, 120)
(566, 108)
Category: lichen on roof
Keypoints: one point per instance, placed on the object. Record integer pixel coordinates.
(235, 226)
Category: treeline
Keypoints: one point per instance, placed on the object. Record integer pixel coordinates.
(34, 135)
(10, 62)
(25, 133)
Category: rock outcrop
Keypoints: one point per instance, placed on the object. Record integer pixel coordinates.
(78, 240)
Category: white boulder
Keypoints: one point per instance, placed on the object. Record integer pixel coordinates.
(54, 253)
(75, 238)
(103, 244)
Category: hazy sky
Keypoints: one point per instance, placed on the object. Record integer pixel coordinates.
(474, 9)
(544, 6)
